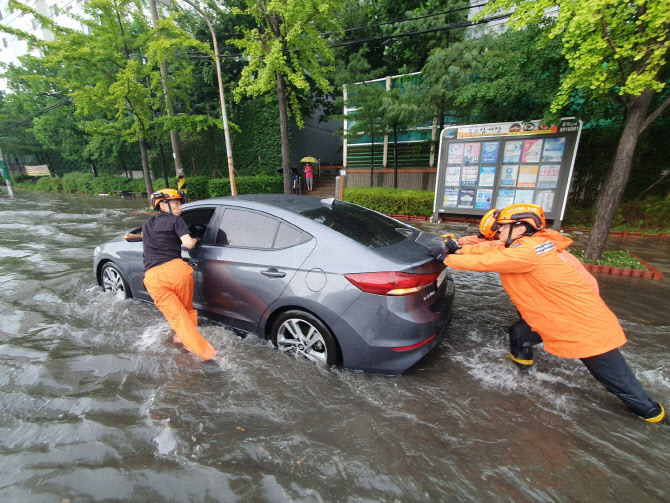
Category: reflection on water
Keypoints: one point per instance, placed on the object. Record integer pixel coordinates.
(97, 403)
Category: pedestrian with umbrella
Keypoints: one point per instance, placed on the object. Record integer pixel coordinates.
(309, 171)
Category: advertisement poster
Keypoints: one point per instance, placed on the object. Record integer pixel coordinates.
(466, 198)
(532, 149)
(527, 176)
(452, 176)
(455, 153)
(548, 177)
(545, 198)
(553, 150)
(450, 198)
(523, 196)
(506, 128)
(505, 197)
(512, 151)
(469, 175)
(490, 152)
(471, 153)
(508, 176)
(487, 175)
(483, 201)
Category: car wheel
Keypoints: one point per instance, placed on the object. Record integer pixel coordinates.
(113, 281)
(302, 334)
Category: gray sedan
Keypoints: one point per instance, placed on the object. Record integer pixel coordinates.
(334, 282)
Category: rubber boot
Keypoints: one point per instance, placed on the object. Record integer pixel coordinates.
(525, 366)
(657, 417)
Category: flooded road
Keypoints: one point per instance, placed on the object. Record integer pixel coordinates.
(99, 405)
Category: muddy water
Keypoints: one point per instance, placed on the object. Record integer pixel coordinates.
(97, 404)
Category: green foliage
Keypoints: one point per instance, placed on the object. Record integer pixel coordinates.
(257, 145)
(392, 201)
(286, 41)
(48, 184)
(78, 182)
(610, 47)
(196, 187)
(618, 258)
(220, 187)
(650, 214)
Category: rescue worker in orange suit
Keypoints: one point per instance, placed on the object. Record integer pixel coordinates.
(167, 278)
(557, 306)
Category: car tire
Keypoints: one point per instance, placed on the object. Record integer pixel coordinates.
(301, 333)
(113, 281)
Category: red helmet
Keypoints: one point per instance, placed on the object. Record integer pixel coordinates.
(488, 226)
(530, 214)
(166, 195)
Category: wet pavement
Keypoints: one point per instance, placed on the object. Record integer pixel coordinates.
(99, 405)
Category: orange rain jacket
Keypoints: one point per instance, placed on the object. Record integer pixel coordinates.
(560, 241)
(549, 293)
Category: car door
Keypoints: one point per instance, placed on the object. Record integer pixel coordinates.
(198, 221)
(253, 258)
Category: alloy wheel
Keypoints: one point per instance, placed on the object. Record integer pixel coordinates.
(302, 338)
(113, 282)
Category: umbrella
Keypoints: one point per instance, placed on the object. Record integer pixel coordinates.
(309, 159)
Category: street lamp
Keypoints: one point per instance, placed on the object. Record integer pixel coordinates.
(226, 130)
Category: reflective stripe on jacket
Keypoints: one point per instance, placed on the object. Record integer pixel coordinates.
(549, 293)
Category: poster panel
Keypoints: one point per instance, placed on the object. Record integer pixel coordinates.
(486, 166)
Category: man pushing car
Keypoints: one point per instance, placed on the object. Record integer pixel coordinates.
(557, 306)
(167, 278)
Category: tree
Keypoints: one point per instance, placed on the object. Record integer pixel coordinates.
(400, 112)
(112, 74)
(367, 119)
(615, 50)
(286, 53)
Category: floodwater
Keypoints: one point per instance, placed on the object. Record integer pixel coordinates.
(99, 405)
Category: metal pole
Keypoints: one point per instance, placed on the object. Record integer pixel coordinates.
(5, 174)
(226, 130)
(174, 136)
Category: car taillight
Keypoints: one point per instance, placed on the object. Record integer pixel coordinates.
(391, 283)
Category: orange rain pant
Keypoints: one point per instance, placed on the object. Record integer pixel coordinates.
(171, 287)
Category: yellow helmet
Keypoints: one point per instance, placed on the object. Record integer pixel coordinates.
(530, 214)
(166, 195)
(488, 227)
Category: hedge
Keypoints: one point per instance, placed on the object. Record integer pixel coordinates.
(261, 184)
(392, 201)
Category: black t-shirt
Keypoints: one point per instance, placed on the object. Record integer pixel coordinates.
(161, 237)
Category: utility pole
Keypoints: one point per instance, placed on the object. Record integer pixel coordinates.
(5, 174)
(224, 116)
(174, 136)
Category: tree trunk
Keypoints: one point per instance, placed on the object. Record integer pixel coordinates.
(145, 167)
(395, 157)
(283, 127)
(94, 170)
(372, 161)
(617, 178)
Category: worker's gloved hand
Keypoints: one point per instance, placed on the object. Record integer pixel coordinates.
(451, 246)
(438, 253)
(448, 236)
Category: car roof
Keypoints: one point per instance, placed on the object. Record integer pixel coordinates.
(291, 202)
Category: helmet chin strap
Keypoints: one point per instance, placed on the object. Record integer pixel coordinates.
(167, 201)
(510, 239)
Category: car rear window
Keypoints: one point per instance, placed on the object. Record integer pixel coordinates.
(360, 224)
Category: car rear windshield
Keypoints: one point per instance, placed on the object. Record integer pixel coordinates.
(360, 224)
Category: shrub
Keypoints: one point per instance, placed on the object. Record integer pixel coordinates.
(392, 201)
(48, 184)
(77, 182)
(261, 184)
(196, 187)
